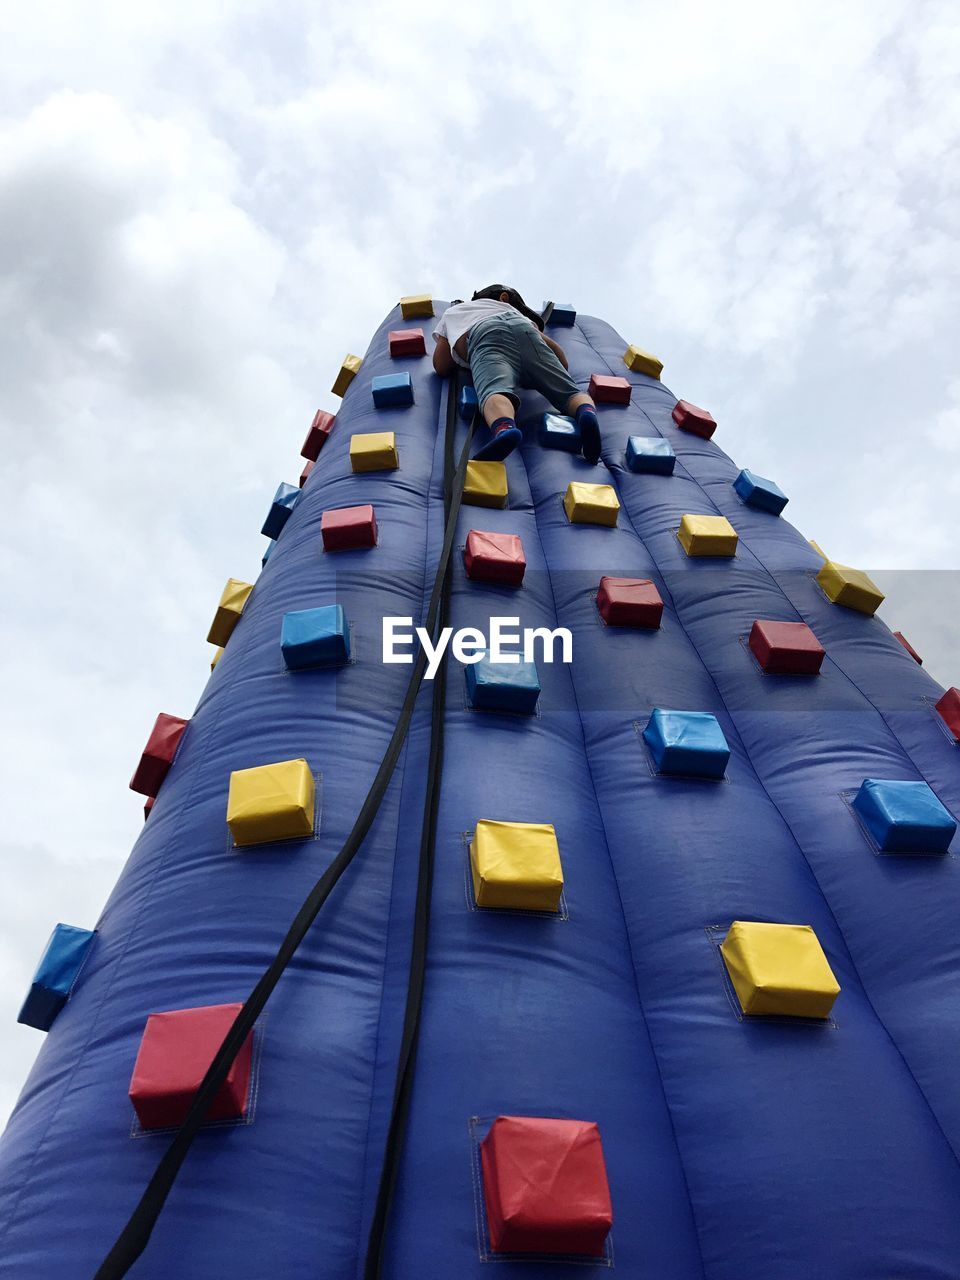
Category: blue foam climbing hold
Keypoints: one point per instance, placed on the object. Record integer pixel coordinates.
(687, 742)
(392, 390)
(315, 637)
(564, 315)
(904, 817)
(651, 455)
(56, 973)
(554, 431)
(467, 404)
(269, 551)
(503, 686)
(757, 492)
(284, 500)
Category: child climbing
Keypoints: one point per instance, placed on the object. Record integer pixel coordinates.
(501, 341)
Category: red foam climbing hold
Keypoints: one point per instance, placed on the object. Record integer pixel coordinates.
(305, 473)
(698, 422)
(158, 754)
(176, 1049)
(898, 635)
(320, 428)
(609, 390)
(406, 342)
(948, 709)
(629, 602)
(494, 557)
(788, 648)
(545, 1186)
(348, 528)
(148, 807)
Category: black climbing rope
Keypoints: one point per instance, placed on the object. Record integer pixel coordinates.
(418, 951)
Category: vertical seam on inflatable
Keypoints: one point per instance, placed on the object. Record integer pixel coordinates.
(118, 962)
(623, 913)
(783, 818)
(359, 1263)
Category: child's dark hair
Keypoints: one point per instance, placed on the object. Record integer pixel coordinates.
(494, 291)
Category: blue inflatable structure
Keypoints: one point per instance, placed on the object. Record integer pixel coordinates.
(368, 1111)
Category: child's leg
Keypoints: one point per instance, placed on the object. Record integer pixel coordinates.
(498, 413)
(574, 403)
(495, 364)
(496, 406)
(584, 410)
(545, 372)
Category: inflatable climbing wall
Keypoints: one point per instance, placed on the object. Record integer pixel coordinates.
(646, 961)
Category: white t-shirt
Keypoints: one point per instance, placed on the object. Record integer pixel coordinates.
(455, 321)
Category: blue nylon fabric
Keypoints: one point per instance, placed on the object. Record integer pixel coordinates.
(564, 315)
(652, 455)
(392, 390)
(689, 742)
(284, 500)
(904, 816)
(41, 1007)
(555, 431)
(63, 958)
(311, 637)
(58, 969)
(758, 492)
(502, 685)
(467, 403)
(733, 1149)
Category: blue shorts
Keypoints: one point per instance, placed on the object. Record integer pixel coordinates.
(506, 352)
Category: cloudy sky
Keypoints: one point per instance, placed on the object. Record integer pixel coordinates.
(204, 206)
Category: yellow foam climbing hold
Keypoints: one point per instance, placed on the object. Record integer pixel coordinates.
(348, 371)
(216, 658)
(271, 802)
(374, 451)
(416, 304)
(591, 503)
(852, 588)
(707, 536)
(485, 485)
(516, 865)
(779, 969)
(641, 361)
(818, 549)
(232, 602)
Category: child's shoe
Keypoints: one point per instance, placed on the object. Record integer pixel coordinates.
(506, 436)
(589, 425)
